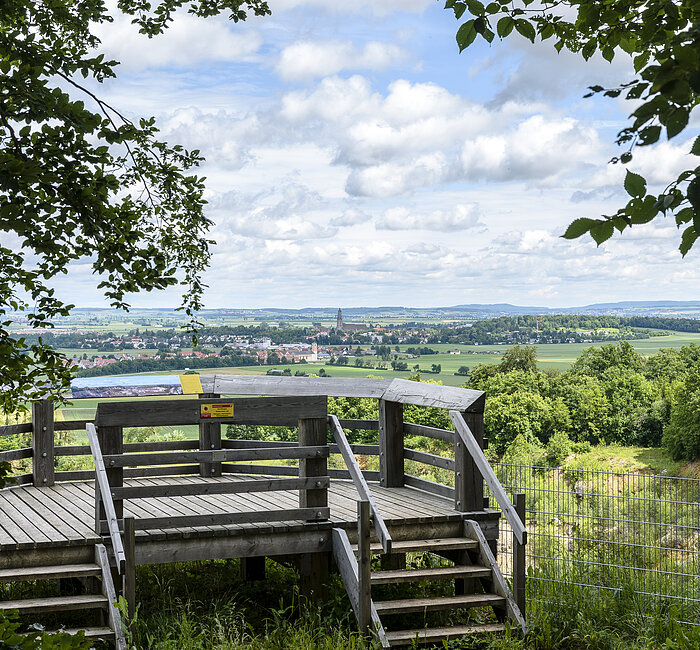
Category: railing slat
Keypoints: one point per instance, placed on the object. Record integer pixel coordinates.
(428, 432)
(217, 455)
(103, 492)
(429, 459)
(360, 483)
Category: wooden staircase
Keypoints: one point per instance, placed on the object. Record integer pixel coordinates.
(477, 584)
(101, 597)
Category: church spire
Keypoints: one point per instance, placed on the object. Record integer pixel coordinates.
(339, 323)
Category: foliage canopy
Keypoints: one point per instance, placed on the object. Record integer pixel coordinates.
(663, 39)
(80, 181)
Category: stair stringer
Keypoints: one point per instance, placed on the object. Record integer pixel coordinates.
(472, 530)
(349, 572)
(108, 590)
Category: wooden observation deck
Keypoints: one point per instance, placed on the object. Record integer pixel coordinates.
(184, 500)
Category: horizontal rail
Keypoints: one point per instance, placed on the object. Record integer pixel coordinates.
(428, 432)
(353, 425)
(368, 474)
(429, 486)
(239, 487)
(260, 453)
(14, 429)
(163, 470)
(429, 459)
(75, 475)
(103, 493)
(71, 425)
(254, 444)
(483, 465)
(272, 470)
(19, 479)
(360, 483)
(72, 450)
(232, 518)
(16, 454)
(164, 445)
(361, 450)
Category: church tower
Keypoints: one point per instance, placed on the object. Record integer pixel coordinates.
(339, 324)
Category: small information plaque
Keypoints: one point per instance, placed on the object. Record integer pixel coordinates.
(216, 410)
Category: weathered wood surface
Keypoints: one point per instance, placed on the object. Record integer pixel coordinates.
(429, 459)
(338, 387)
(14, 429)
(360, 482)
(391, 443)
(428, 432)
(16, 454)
(500, 586)
(444, 397)
(277, 411)
(313, 432)
(71, 425)
(430, 486)
(103, 496)
(42, 442)
(364, 568)
(63, 515)
(217, 455)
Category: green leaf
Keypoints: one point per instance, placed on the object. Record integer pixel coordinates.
(578, 227)
(505, 26)
(695, 149)
(687, 240)
(475, 7)
(602, 231)
(459, 8)
(626, 157)
(635, 184)
(693, 196)
(676, 122)
(642, 210)
(641, 60)
(684, 216)
(525, 28)
(608, 53)
(449, 4)
(466, 35)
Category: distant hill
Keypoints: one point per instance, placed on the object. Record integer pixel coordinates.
(465, 313)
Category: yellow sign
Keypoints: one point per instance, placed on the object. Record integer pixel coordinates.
(191, 385)
(216, 410)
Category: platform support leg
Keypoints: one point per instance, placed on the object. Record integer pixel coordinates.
(313, 574)
(253, 568)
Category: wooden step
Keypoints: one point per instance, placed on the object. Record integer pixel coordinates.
(90, 632)
(49, 572)
(56, 603)
(426, 545)
(441, 573)
(418, 605)
(437, 634)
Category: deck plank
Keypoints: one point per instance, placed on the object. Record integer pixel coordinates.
(63, 514)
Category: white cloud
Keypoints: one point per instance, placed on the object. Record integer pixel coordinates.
(306, 60)
(462, 217)
(187, 43)
(350, 217)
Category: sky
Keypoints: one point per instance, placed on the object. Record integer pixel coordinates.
(355, 158)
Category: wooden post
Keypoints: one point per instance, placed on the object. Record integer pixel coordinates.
(111, 441)
(313, 569)
(253, 568)
(391, 468)
(469, 484)
(364, 568)
(42, 443)
(209, 439)
(129, 584)
(519, 570)
(313, 432)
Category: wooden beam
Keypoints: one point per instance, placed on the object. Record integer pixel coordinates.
(43, 443)
(220, 455)
(428, 432)
(364, 600)
(237, 487)
(276, 411)
(390, 443)
(338, 387)
(129, 588)
(209, 439)
(314, 432)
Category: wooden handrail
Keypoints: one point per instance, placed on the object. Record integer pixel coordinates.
(360, 483)
(467, 439)
(103, 493)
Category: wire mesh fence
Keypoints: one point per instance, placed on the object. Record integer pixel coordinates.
(602, 530)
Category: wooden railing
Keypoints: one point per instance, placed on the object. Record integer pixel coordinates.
(360, 483)
(105, 511)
